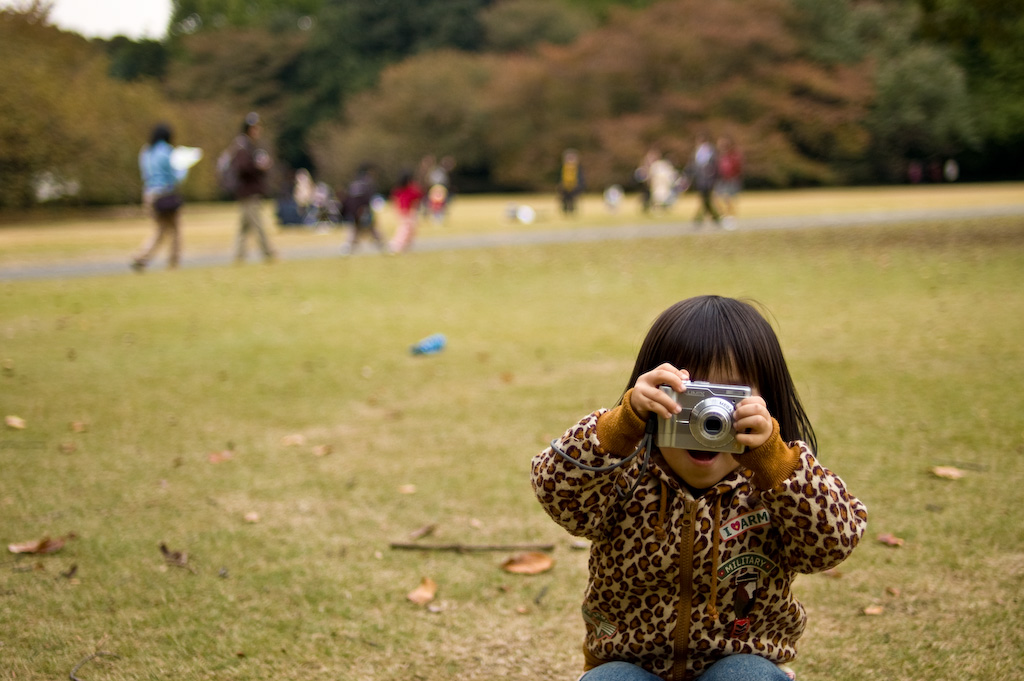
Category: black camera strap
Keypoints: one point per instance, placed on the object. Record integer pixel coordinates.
(644, 447)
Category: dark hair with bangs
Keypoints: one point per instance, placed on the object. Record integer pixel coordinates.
(709, 334)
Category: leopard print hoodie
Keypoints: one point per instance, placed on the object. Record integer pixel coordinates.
(677, 583)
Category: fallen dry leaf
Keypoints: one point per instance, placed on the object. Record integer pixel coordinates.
(423, 531)
(322, 450)
(407, 489)
(252, 517)
(218, 457)
(890, 539)
(44, 545)
(833, 573)
(15, 422)
(175, 558)
(78, 426)
(529, 563)
(893, 591)
(424, 593)
(874, 610)
(67, 447)
(296, 440)
(947, 472)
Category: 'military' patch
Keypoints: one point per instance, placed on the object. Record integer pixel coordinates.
(746, 560)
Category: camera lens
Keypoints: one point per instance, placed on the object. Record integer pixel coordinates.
(711, 423)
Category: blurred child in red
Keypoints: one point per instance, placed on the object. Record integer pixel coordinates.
(406, 195)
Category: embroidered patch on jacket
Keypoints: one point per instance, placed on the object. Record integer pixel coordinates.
(746, 560)
(740, 628)
(747, 521)
(599, 623)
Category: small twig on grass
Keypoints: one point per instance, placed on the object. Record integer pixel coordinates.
(470, 548)
(99, 653)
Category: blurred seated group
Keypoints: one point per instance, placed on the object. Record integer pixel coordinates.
(310, 204)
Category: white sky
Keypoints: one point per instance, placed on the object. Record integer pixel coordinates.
(107, 18)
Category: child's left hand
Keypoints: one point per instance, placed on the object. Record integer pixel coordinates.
(752, 422)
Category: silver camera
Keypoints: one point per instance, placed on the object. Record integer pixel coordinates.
(705, 422)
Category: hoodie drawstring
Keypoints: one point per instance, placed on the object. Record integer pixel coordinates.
(715, 531)
(659, 522)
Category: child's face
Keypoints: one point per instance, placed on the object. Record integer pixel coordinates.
(701, 470)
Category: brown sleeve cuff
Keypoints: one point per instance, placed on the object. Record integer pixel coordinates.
(773, 462)
(619, 429)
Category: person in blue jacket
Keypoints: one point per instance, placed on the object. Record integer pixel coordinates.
(161, 196)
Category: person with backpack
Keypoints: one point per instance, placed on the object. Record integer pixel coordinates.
(246, 177)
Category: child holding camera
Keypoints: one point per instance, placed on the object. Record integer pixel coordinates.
(693, 551)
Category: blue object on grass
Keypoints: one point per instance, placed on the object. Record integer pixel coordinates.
(429, 345)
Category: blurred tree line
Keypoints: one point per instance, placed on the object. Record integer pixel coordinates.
(816, 92)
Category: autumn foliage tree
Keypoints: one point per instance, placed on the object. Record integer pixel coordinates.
(66, 126)
(426, 105)
(650, 78)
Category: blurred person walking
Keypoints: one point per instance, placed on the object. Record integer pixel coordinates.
(407, 196)
(570, 182)
(357, 211)
(160, 195)
(437, 181)
(664, 183)
(702, 172)
(642, 177)
(250, 164)
(730, 179)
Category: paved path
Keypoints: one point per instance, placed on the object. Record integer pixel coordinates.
(578, 234)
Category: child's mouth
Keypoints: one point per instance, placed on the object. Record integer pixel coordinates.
(704, 457)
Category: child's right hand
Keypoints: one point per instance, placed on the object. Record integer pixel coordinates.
(647, 395)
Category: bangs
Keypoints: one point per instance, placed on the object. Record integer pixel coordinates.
(711, 350)
(710, 336)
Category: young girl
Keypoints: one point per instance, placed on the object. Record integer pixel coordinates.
(693, 553)
(406, 195)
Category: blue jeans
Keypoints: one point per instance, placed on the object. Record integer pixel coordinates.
(730, 668)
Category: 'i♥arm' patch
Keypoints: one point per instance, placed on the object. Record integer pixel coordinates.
(737, 526)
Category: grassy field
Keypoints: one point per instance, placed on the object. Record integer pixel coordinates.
(191, 386)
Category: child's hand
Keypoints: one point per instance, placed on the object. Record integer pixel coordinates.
(648, 397)
(752, 422)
